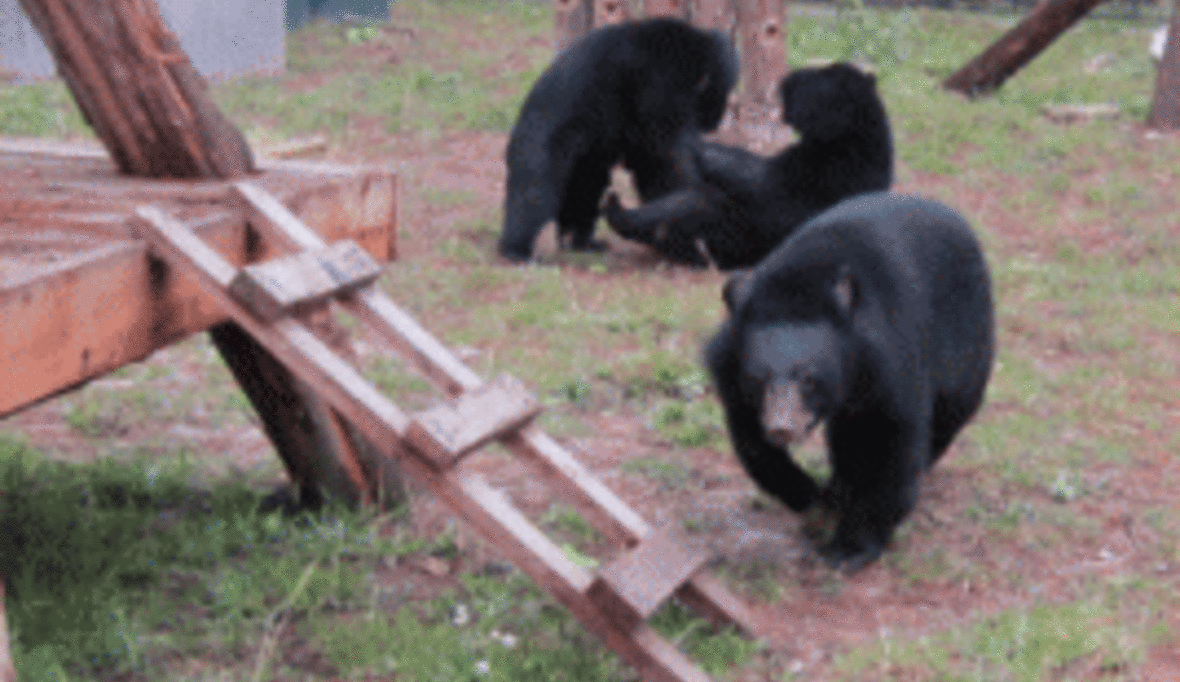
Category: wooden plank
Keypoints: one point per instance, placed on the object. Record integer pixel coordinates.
(705, 595)
(632, 587)
(308, 357)
(7, 671)
(446, 433)
(95, 311)
(294, 147)
(410, 340)
(598, 503)
(498, 521)
(279, 287)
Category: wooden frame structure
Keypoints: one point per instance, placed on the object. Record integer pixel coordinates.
(98, 270)
(79, 295)
(431, 445)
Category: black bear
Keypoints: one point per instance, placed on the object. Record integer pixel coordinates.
(875, 318)
(633, 92)
(747, 204)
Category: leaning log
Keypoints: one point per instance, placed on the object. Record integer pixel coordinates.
(1165, 105)
(148, 105)
(1048, 20)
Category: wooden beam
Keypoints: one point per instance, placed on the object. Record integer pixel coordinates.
(447, 432)
(7, 671)
(282, 286)
(632, 587)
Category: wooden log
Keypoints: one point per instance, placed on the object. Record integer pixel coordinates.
(572, 19)
(138, 90)
(1165, 103)
(666, 8)
(7, 671)
(1018, 46)
(610, 12)
(764, 54)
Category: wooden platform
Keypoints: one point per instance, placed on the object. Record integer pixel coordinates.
(79, 296)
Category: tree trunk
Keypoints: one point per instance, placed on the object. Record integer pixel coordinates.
(148, 105)
(572, 19)
(1165, 106)
(7, 671)
(764, 52)
(1017, 47)
(677, 9)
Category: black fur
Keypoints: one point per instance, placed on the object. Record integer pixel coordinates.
(877, 316)
(747, 203)
(634, 92)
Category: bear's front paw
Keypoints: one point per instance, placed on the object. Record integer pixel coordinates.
(851, 549)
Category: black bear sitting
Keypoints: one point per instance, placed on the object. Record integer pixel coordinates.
(876, 318)
(747, 203)
(634, 92)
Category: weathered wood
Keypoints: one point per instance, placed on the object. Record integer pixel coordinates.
(103, 304)
(571, 20)
(632, 587)
(286, 338)
(446, 433)
(610, 12)
(278, 287)
(7, 671)
(383, 424)
(1073, 113)
(764, 54)
(1165, 103)
(411, 340)
(138, 90)
(666, 8)
(1047, 20)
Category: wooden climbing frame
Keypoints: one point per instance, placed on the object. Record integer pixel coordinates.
(431, 446)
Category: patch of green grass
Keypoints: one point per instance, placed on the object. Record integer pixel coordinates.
(115, 568)
(668, 474)
(716, 651)
(1017, 645)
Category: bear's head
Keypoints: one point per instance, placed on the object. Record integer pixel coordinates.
(794, 366)
(825, 103)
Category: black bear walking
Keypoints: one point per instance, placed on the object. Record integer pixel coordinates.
(875, 318)
(634, 92)
(747, 204)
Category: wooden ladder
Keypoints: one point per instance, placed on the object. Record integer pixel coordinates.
(265, 298)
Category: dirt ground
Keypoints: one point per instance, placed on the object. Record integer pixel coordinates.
(818, 614)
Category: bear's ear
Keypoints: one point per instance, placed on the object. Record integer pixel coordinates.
(736, 289)
(844, 291)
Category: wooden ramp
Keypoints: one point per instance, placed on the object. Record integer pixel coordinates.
(266, 300)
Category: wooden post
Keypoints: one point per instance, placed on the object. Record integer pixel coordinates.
(764, 53)
(610, 12)
(572, 19)
(1165, 105)
(666, 8)
(148, 105)
(987, 72)
(7, 671)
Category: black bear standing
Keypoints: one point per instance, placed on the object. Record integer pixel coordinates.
(747, 203)
(634, 92)
(876, 318)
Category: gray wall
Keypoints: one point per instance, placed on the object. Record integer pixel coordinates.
(224, 38)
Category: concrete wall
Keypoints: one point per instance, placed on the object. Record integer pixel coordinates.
(224, 38)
